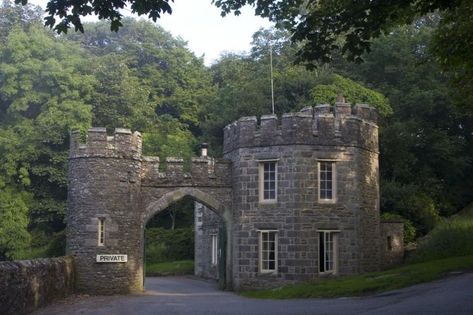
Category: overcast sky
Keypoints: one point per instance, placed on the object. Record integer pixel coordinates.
(207, 33)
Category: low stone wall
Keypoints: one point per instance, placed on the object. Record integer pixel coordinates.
(26, 285)
(392, 243)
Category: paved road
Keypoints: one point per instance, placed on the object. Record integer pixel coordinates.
(178, 295)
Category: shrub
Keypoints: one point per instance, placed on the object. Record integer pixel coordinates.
(57, 246)
(169, 245)
(331, 86)
(412, 204)
(452, 237)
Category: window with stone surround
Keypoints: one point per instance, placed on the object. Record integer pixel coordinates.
(214, 251)
(101, 232)
(327, 181)
(267, 174)
(328, 252)
(268, 251)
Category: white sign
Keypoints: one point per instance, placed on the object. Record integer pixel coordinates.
(112, 258)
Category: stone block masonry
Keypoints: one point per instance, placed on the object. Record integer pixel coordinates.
(29, 284)
(295, 198)
(314, 238)
(114, 190)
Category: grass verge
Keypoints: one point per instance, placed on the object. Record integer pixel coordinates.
(450, 238)
(171, 268)
(368, 283)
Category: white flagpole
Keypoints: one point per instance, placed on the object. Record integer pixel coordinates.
(272, 81)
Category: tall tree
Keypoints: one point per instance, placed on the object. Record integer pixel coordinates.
(43, 94)
(13, 15)
(426, 145)
(174, 80)
(243, 85)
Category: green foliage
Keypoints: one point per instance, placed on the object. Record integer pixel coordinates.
(170, 139)
(452, 237)
(368, 283)
(144, 79)
(426, 144)
(451, 45)
(179, 214)
(43, 94)
(168, 245)
(352, 91)
(57, 246)
(409, 228)
(327, 26)
(14, 236)
(172, 268)
(410, 202)
(243, 85)
(165, 77)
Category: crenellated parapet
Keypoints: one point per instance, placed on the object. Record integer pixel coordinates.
(123, 144)
(342, 124)
(200, 171)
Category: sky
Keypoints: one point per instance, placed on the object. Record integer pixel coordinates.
(207, 33)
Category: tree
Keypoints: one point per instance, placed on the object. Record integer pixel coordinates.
(451, 45)
(426, 144)
(243, 85)
(337, 25)
(321, 26)
(43, 94)
(17, 16)
(141, 78)
(159, 67)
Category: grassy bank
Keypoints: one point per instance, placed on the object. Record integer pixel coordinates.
(171, 268)
(448, 247)
(368, 283)
(450, 238)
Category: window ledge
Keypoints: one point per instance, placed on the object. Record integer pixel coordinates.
(327, 201)
(267, 274)
(268, 202)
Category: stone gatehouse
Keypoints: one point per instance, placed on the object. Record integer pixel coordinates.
(294, 198)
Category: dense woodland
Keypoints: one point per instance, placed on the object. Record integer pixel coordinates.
(144, 79)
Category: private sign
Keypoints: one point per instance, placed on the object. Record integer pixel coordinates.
(112, 258)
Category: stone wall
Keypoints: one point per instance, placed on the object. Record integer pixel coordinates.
(111, 182)
(346, 135)
(392, 243)
(28, 284)
(207, 223)
(104, 183)
(341, 125)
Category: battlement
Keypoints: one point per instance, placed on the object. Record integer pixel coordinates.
(341, 124)
(123, 144)
(175, 170)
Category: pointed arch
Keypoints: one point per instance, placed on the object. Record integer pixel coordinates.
(167, 199)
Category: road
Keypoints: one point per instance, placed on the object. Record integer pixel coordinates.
(182, 295)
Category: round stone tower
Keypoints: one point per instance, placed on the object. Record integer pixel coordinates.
(103, 225)
(305, 194)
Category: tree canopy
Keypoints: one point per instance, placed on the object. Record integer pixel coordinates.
(322, 26)
(144, 79)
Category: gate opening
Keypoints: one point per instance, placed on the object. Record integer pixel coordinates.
(185, 238)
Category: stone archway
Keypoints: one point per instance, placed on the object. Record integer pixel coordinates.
(211, 203)
(172, 196)
(113, 190)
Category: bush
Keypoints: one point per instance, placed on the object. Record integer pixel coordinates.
(57, 247)
(453, 237)
(169, 245)
(409, 202)
(330, 87)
